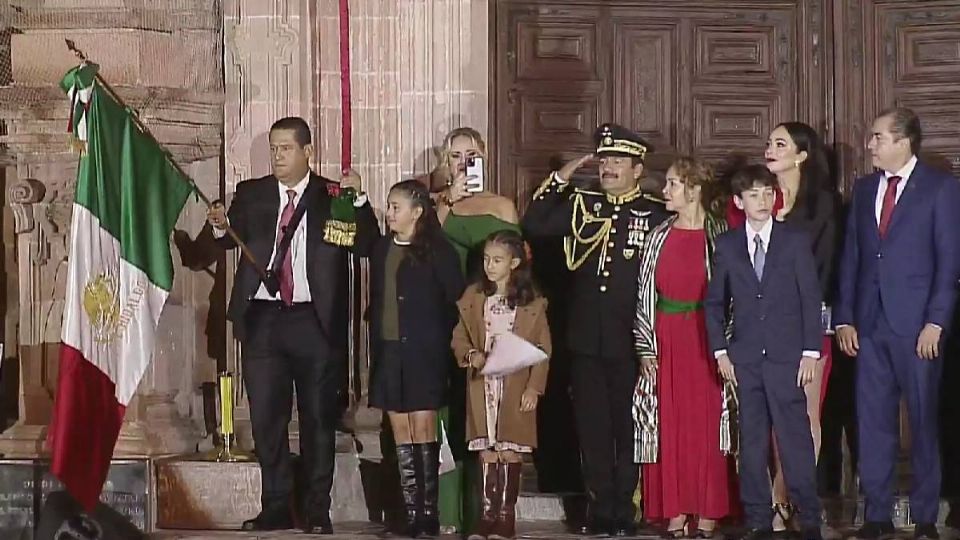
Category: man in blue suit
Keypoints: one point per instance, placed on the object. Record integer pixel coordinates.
(897, 289)
(767, 270)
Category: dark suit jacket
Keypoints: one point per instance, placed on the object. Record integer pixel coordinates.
(253, 215)
(820, 222)
(912, 273)
(427, 295)
(774, 319)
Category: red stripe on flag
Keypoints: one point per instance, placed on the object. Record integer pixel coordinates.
(346, 114)
(85, 426)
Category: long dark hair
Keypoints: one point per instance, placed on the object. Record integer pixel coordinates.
(815, 170)
(426, 231)
(521, 289)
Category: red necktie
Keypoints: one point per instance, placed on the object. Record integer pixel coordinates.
(286, 267)
(889, 201)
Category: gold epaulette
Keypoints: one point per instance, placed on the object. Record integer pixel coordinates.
(590, 192)
(652, 198)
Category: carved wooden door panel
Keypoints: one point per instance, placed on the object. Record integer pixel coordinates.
(692, 77)
(551, 72)
(897, 53)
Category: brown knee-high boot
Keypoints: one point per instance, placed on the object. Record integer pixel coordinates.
(506, 527)
(490, 500)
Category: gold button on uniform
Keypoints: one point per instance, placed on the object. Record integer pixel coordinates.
(606, 273)
(613, 230)
(610, 244)
(603, 288)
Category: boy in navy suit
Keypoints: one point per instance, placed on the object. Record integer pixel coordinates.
(767, 270)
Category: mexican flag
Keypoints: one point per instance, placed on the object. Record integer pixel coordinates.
(120, 272)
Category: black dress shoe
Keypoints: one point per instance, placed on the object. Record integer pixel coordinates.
(624, 528)
(594, 527)
(318, 524)
(269, 520)
(926, 531)
(876, 530)
(811, 533)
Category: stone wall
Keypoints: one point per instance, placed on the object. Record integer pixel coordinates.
(229, 69)
(418, 69)
(180, 99)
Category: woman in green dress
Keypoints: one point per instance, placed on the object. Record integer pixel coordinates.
(467, 219)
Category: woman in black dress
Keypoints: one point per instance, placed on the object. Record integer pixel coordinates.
(415, 283)
(796, 154)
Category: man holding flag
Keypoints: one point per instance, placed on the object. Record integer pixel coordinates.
(293, 321)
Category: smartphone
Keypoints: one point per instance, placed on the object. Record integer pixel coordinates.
(475, 169)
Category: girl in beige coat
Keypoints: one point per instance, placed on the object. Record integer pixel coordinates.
(501, 411)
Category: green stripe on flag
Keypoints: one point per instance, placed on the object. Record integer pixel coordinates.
(126, 181)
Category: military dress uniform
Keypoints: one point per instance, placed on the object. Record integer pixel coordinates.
(603, 240)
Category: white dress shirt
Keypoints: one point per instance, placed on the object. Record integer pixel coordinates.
(298, 244)
(764, 234)
(904, 175)
(298, 247)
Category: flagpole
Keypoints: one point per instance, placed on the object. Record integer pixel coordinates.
(196, 189)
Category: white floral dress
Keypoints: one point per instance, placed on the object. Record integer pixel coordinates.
(499, 318)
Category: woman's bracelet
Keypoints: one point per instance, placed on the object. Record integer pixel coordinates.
(445, 199)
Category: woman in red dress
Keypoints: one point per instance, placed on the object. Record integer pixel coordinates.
(688, 478)
(797, 156)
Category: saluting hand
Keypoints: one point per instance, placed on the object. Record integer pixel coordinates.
(571, 167)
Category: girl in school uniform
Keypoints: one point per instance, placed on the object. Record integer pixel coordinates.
(415, 281)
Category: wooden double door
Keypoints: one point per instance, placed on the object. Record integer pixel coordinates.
(712, 77)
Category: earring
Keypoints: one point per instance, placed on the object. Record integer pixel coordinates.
(796, 163)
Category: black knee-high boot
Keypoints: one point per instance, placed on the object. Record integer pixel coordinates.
(429, 518)
(408, 459)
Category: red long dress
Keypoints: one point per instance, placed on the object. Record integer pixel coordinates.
(691, 476)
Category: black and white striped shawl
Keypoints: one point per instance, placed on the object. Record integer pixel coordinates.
(645, 406)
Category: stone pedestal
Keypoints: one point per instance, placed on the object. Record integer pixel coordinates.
(194, 494)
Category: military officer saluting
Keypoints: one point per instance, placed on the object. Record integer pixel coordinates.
(603, 231)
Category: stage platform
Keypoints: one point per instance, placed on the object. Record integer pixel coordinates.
(527, 531)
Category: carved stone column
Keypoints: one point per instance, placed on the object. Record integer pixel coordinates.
(37, 359)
